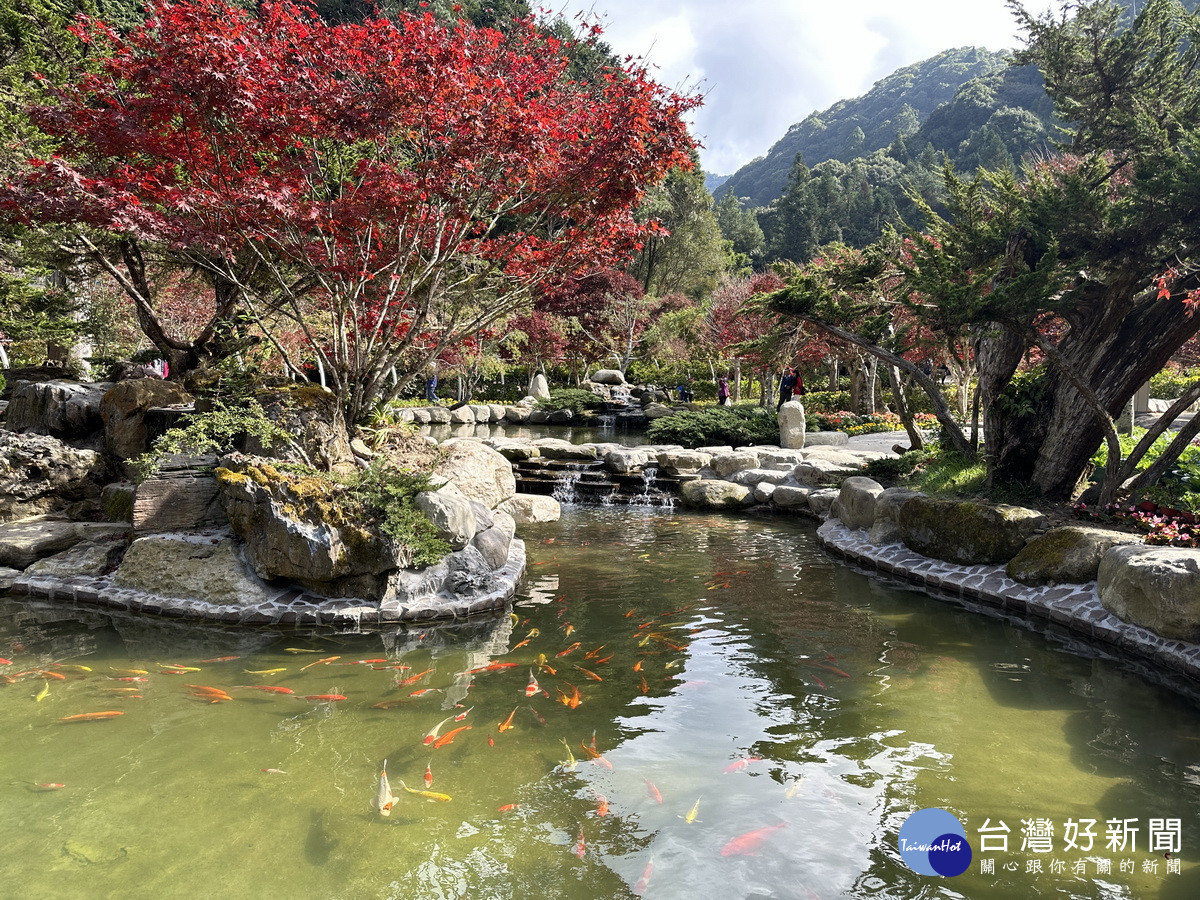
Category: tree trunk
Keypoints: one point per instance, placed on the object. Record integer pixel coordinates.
(916, 442)
(1049, 437)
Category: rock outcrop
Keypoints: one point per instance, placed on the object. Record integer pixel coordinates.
(1067, 555)
(123, 409)
(40, 474)
(64, 409)
(711, 493)
(1155, 587)
(965, 532)
(856, 502)
(191, 567)
(479, 472)
(312, 416)
(527, 509)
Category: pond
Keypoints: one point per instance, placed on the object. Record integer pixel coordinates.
(721, 711)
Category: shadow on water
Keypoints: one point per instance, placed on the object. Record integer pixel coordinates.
(320, 842)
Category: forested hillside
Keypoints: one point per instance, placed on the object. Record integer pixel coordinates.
(897, 104)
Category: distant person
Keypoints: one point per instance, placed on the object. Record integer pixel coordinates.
(431, 388)
(943, 372)
(787, 385)
(723, 391)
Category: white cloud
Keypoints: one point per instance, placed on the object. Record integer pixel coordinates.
(764, 65)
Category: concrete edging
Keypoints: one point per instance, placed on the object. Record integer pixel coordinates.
(1073, 606)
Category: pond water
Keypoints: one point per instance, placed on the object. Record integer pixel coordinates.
(732, 679)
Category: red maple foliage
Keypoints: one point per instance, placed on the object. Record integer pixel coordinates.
(390, 188)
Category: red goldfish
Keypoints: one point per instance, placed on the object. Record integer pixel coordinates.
(644, 881)
(413, 679)
(654, 792)
(270, 689)
(571, 649)
(329, 697)
(748, 843)
(741, 763)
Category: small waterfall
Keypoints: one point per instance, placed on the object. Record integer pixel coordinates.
(564, 491)
(651, 494)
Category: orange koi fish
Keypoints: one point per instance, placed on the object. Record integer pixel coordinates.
(589, 673)
(428, 775)
(71, 667)
(644, 881)
(267, 688)
(423, 691)
(129, 671)
(541, 664)
(630, 612)
(508, 807)
(571, 649)
(303, 650)
(601, 805)
(121, 690)
(333, 698)
(432, 734)
(58, 676)
(138, 678)
(413, 679)
(604, 659)
(572, 701)
(462, 715)
(321, 662)
(747, 844)
(537, 715)
(637, 667)
(580, 846)
(507, 723)
(592, 654)
(520, 644)
(213, 694)
(568, 628)
(490, 667)
(448, 737)
(653, 790)
(273, 771)
(364, 662)
(385, 668)
(821, 684)
(741, 763)
(178, 669)
(532, 687)
(642, 686)
(92, 716)
(220, 659)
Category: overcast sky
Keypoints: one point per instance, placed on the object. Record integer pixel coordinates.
(766, 64)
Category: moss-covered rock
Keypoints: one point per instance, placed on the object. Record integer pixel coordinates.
(313, 417)
(305, 529)
(1069, 555)
(966, 532)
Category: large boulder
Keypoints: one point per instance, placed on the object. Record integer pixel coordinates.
(297, 528)
(711, 493)
(966, 532)
(625, 460)
(608, 376)
(820, 501)
(654, 411)
(818, 471)
(493, 543)
(66, 409)
(314, 419)
(25, 541)
(675, 461)
(826, 439)
(451, 515)
(556, 448)
(123, 409)
(792, 425)
(202, 567)
(462, 415)
(40, 474)
(856, 502)
(1155, 587)
(754, 477)
(479, 472)
(726, 464)
(540, 389)
(1068, 555)
(90, 558)
(886, 528)
(787, 496)
(527, 509)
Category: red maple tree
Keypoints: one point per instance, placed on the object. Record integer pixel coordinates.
(388, 188)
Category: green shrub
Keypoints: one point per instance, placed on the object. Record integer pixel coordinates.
(217, 431)
(580, 402)
(825, 401)
(898, 468)
(388, 497)
(1169, 384)
(738, 426)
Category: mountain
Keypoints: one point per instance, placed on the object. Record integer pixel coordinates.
(897, 104)
(712, 182)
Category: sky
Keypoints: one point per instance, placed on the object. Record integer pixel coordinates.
(764, 65)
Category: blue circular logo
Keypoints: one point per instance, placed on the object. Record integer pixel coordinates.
(933, 842)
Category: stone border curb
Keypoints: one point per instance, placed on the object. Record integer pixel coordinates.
(289, 607)
(1075, 607)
